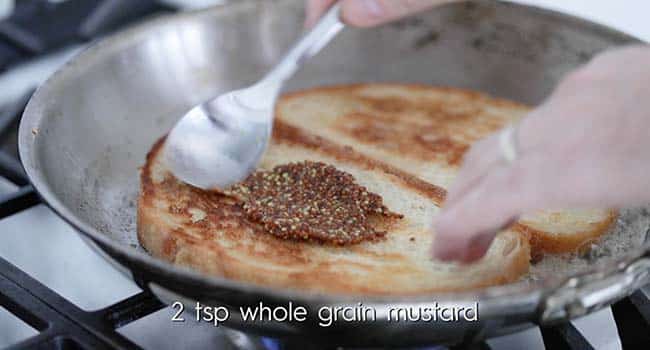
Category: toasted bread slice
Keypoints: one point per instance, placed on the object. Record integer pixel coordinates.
(425, 131)
(208, 232)
(552, 231)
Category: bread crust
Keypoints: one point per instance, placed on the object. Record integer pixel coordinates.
(544, 242)
(203, 231)
(238, 250)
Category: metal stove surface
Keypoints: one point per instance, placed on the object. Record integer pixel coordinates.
(39, 243)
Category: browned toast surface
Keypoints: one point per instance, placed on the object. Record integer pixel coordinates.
(401, 142)
(209, 232)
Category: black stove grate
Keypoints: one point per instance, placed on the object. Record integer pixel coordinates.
(39, 26)
(63, 325)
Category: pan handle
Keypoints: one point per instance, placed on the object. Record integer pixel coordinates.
(583, 294)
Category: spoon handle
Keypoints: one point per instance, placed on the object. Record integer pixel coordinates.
(310, 44)
(263, 94)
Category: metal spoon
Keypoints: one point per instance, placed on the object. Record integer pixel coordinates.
(220, 142)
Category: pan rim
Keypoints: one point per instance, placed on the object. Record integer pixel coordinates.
(33, 116)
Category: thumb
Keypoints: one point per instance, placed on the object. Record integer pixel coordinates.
(368, 13)
(314, 10)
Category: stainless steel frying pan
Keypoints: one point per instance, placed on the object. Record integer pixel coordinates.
(85, 132)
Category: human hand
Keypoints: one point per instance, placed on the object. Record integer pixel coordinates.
(587, 145)
(368, 13)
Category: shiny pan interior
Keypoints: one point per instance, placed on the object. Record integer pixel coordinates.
(86, 131)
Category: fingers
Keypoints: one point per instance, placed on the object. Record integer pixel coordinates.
(482, 156)
(483, 199)
(465, 228)
(472, 219)
(486, 153)
(368, 13)
(315, 9)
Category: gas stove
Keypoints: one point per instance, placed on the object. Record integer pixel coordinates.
(56, 292)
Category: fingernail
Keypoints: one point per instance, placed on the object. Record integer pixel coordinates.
(442, 254)
(440, 250)
(477, 247)
(372, 7)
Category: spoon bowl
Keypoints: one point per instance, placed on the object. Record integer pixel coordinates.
(221, 141)
(212, 147)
